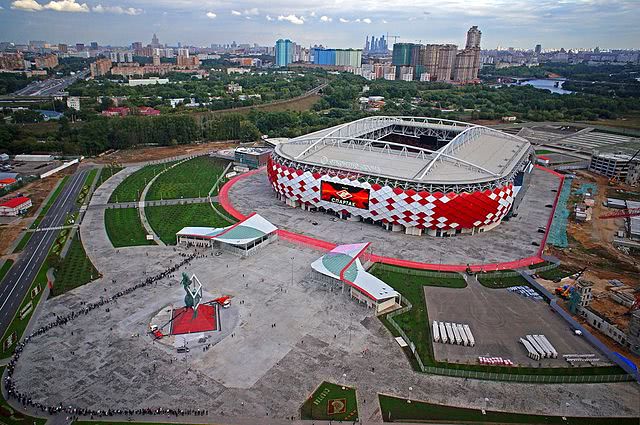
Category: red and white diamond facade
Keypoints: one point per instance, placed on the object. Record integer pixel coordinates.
(440, 192)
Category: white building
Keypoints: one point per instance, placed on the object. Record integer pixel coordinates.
(15, 206)
(147, 81)
(73, 102)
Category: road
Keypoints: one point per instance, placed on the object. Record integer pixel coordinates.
(50, 86)
(17, 282)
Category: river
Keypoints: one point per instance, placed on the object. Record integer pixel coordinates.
(549, 85)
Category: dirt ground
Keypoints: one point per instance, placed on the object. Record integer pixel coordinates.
(152, 153)
(37, 191)
(590, 246)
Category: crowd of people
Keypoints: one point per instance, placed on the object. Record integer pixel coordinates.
(26, 400)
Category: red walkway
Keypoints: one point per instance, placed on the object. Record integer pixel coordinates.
(223, 199)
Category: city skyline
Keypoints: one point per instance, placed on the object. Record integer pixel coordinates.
(571, 24)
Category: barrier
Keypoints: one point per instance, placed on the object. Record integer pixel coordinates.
(59, 168)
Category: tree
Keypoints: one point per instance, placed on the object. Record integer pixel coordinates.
(23, 116)
(248, 131)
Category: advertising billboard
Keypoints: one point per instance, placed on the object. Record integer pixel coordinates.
(344, 194)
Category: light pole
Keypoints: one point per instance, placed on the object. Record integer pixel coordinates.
(292, 271)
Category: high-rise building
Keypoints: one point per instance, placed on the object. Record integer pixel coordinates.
(46, 61)
(155, 42)
(100, 67)
(403, 53)
(184, 60)
(446, 60)
(284, 52)
(337, 57)
(94, 45)
(473, 38)
(63, 48)
(464, 68)
(429, 58)
(12, 61)
(79, 47)
(538, 49)
(156, 60)
(136, 45)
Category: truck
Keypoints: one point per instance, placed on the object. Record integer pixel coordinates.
(532, 353)
(463, 335)
(537, 347)
(436, 332)
(467, 330)
(443, 333)
(456, 334)
(450, 336)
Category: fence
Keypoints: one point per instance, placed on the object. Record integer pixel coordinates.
(408, 306)
(413, 272)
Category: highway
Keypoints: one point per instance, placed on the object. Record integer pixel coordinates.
(17, 282)
(50, 86)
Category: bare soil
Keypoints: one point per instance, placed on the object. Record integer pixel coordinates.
(154, 153)
(37, 191)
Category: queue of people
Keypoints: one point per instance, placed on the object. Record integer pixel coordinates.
(26, 400)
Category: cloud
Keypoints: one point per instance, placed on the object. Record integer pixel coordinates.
(211, 15)
(325, 18)
(118, 10)
(253, 11)
(236, 13)
(269, 18)
(344, 21)
(312, 14)
(292, 18)
(28, 5)
(384, 21)
(67, 6)
(366, 20)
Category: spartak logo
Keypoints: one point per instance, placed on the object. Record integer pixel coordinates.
(344, 194)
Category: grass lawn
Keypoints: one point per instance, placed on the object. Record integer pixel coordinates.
(394, 275)
(191, 179)
(417, 326)
(543, 152)
(131, 188)
(495, 281)
(106, 173)
(75, 270)
(124, 227)
(18, 325)
(10, 416)
(398, 410)
(623, 194)
(331, 402)
(557, 273)
(5, 268)
(167, 220)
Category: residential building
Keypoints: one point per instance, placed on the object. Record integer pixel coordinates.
(46, 61)
(147, 81)
(100, 67)
(446, 60)
(63, 48)
(186, 61)
(12, 61)
(284, 52)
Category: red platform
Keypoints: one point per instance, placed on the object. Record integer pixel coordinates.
(184, 323)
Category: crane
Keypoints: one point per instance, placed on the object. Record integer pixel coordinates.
(395, 38)
(564, 291)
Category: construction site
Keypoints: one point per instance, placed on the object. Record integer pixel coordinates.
(595, 232)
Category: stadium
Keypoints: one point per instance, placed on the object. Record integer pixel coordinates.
(412, 174)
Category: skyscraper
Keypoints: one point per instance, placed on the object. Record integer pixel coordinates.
(154, 41)
(538, 49)
(284, 52)
(473, 38)
(446, 61)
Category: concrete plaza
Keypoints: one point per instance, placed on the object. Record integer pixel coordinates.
(511, 240)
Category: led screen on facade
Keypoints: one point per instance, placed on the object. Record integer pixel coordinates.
(344, 194)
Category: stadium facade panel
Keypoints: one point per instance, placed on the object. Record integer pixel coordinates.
(351, 171)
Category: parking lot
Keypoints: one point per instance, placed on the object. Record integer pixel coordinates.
(511, 240)
(498, 319)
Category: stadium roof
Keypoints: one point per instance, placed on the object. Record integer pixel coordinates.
(244, 232)
(474, 153)
(15, 202)
(342, 263)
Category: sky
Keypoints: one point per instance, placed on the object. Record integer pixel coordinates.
(332, 23)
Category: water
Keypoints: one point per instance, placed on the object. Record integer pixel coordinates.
(549, 85)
